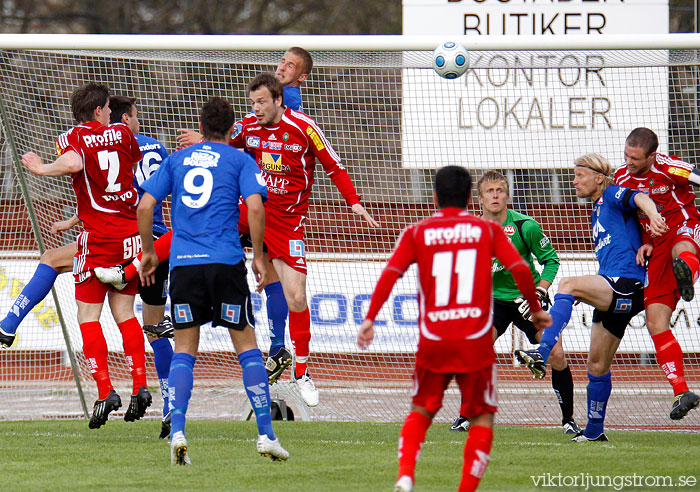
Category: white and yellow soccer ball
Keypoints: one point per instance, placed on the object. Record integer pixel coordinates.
(450, 60)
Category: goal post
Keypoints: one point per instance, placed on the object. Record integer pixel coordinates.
(528, 106)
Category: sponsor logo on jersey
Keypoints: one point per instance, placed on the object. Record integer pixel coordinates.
(237, 129)
(202, 158)
(685, 231)
(273, 163)
(252, 142)
(544, 242)
(456, 313)
(618, 195)
(315, 138)
(231, 312)
(509, 230)
(660, 190)
(108, 137)
(272, 137)
(602, 243)
(276, 184)
(150, 146)
(285, 137)
(597, 229)
(293, 147)
(496, 266)
(679, 171)
(459, 233)
(272, 145)
(296, 248)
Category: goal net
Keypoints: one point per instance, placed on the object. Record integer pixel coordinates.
(527, 113)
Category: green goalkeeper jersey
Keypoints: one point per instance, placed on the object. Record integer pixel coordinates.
(527, 237)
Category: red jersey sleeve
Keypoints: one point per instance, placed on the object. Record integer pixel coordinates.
(330, 160)
(402, 258)
(677, 170)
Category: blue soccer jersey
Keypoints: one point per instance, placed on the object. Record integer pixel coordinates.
(292, 98)
(153, 154)
(206, 181)
(616, 233)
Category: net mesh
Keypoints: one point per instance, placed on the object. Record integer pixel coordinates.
(393, 121)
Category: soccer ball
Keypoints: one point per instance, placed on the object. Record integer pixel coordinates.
(450, 60)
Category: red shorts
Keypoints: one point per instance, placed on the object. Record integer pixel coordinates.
(478, 390)
(284, 236)
(102, 252)
(662, 287)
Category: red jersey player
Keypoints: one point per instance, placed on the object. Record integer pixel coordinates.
(100, 159)
(667, 181)
(286, 145)
(453, 250)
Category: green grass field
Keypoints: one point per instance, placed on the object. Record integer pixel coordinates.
(67, 456)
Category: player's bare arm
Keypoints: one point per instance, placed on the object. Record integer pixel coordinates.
(149, 259)
(256, 220)
(360, 210)
(64, 225)
(648, 207)
(365, 334)
(643, 253)
(68, 163)
(187, 137)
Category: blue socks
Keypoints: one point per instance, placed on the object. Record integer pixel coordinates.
(561, 314)
(180, 389)
(256, 385)
(34, 292)
(162, 355)
(277, 312)
(599, 388)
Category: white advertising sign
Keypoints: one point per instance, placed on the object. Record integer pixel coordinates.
(503, 113)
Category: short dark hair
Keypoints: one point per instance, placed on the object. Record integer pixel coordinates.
(216, 117)
(267, 79)
(86, 98)
(120, 105)
(305, 58)
(453, 187)
(644, 138)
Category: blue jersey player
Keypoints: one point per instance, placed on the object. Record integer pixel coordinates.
(616, 293)
(292, 71)
(207, 263)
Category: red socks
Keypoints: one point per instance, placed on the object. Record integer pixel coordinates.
(411, 440)
(670, 357)
(692, 262)
(95, 350)
(476, 457)
(162, 247)
(132, 338)
(300, 333)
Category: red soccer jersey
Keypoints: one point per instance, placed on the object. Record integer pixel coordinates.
(104, 188)
(287, 153)
(668, 186)
(453, 250)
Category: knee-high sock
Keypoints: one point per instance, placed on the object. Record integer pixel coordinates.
(300, 332)
(563, 384)
(162, 356)
(598, 391)
(477, 452)
(277, 312)
(411, 441)
(180, 384)
(561, 314)
(670, 357)
(162, 247)
(95, 350)
(258, 389)
(135, 352)
(692, 261)
(34, 292)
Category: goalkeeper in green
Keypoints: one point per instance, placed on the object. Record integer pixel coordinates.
(509, 307)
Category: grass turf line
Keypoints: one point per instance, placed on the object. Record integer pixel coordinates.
(325, 456)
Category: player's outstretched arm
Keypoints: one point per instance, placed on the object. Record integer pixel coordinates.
(648, 207)
(360, 210)
(187, 138)
(68, 163)
(149, 258)
(256, 221)
(64, 225)
(365, 335)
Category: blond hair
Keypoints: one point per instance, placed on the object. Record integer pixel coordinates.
(491, 176)
(599, 164)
